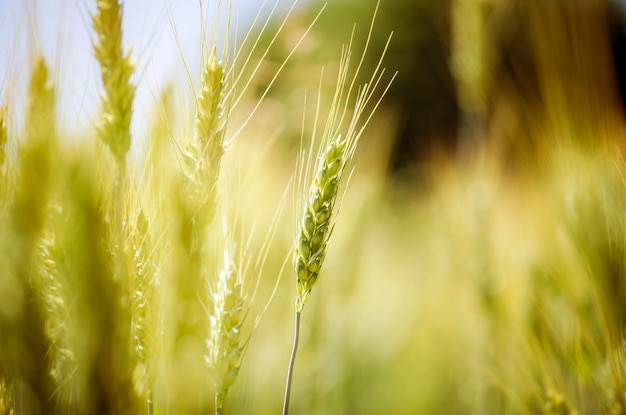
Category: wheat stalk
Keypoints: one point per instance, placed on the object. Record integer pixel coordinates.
(201, 159)
(114, 130)
(336, 150)
(224, 344)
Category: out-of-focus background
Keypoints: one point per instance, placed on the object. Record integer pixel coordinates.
(165, 37)
(478, 261)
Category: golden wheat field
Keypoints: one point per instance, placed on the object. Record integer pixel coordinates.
(376, 207)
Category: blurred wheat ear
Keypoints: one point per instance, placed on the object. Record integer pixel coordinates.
(203, 155)
(117, 69)
(24, 360)
(557, 405)
(224, 345)
(141, 288)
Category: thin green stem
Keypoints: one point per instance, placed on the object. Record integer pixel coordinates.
(296, 336)
(149, 403)
(219, 403)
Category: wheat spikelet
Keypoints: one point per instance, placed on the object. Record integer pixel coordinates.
(203, 155)
(117, 68)
(224, 344)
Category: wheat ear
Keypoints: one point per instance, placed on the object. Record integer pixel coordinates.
(117, 69)
(141, 287)
(224, 344)
(204, 154)
(24, 361)
(336, 150)
(41, 118)
(114, 130)
(555, 404)
(117, 107)
(54, 293)
(317, 220)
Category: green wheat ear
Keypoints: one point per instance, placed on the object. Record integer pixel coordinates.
(117, 68)
(336, 149)
(316, 225)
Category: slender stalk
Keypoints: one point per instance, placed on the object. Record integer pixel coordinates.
(149, 403)
(296, 336)
(219, 403)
